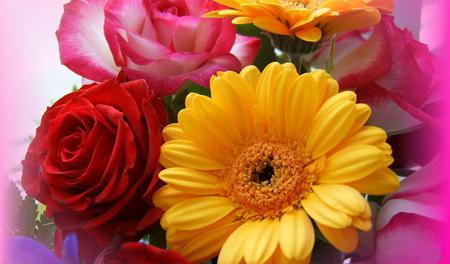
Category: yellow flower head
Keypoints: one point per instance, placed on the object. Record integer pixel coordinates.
(248, 168)
(309, 20)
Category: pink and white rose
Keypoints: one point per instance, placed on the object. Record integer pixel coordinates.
(165, 42)
(390, 71)
(411, 222)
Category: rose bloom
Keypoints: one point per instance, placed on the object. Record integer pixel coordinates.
(415, 218)
(163, 42)
(390, 71)
(132, 252)
(94, 162)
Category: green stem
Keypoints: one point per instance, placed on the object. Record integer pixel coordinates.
(329, 67)
(297, 60)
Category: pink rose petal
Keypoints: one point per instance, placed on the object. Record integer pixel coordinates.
(165, 85)
(246, 49)
(410, 238)
(83, 47)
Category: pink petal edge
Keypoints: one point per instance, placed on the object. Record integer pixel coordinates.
(83, 47)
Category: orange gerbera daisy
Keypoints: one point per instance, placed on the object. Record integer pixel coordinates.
(308, 20)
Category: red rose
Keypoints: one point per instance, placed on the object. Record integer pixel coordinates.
(94, 161)
(139, 253)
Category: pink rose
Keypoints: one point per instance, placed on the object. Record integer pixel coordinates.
(411, 222)
(390, 71)
(165, 42)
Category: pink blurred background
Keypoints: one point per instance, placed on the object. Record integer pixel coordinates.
(32, 76)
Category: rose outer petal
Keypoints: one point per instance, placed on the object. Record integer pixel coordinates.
(410, 238)
(166, 85)
(246, 49)
(82, 44)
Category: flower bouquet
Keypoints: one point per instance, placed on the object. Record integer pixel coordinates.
(236, 131)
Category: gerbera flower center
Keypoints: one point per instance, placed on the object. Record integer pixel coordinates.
(268, 178)
(297, 4)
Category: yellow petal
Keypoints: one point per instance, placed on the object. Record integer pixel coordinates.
(333, 88)
(296, 235)
(310, 20)
(212, 14)
(364, 224)
(231, 92)
(257, 9)
(284, 83)
(262, 240)
(251, 75)
(183, 237)
(326, 86)
(233, 248)
(336, 5)
(198, 212)
(362, 114)
(310, 34)
(199, 133)
(353, 20)
(208, 244)
(337, 99)
(368, 135)
(267, 81)
(385, 5)
(296, 15)
(324, 214)
(301, 106)
(242, 20)
(352, 164)
(329, 128)
(344, 239)
(380, 182)
(271, 24)
(183, 153)
(231, 13)
(280, 258)
(166, 197)
(341, 197)
(191, 181)
(367, 212)
(229, 3)
(214, 120)
(264, 93)
(172, 132)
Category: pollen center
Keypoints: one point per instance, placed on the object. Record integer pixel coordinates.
(297, 4)
(268, 178)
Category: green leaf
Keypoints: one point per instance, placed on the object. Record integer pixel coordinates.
(45, 231)
(197, 88)
(174, 103)
(376, 199)
(158, 237)
(40, 210)
(266, 54)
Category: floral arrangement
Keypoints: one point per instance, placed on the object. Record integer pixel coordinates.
(235, 131)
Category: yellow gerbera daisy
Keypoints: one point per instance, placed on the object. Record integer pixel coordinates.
(248, 167)
(309, 20)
